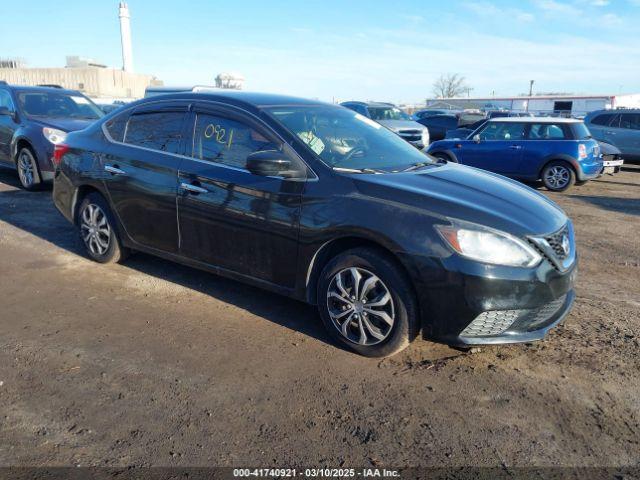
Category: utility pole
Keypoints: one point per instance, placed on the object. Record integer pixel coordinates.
(531, 82)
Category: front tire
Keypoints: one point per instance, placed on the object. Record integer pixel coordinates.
(367, 304)
(558, 176)
(97, 229)
(27, 167)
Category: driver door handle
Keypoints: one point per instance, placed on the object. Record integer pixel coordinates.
(114, 170)
(516, 147)
(188, 187)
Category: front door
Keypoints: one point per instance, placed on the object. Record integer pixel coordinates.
(141, 175)
(499, 148)
(229, 217)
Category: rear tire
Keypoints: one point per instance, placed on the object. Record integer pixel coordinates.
(97, 230)
(27, 168)
(558, 176)
(367, 304)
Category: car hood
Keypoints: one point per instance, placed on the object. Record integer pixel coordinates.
(466, 193)
(396, 125)
(65, 124)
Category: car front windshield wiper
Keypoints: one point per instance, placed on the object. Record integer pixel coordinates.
(417, 166)
(358, 170)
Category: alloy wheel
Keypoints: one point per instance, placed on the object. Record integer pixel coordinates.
(360, 306)
(95, 229)
(557, 177)
(26, 168)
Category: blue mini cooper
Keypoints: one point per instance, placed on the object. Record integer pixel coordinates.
(558, 151)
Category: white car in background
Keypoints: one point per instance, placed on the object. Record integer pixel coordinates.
(394, 119)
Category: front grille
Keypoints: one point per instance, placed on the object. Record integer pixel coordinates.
(611, 157)
(411, 135)
(491, 323)
(496, 322)
(556, 242)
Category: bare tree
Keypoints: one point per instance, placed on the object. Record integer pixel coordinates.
(449, 86)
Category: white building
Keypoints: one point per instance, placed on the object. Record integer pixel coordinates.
(574, 104)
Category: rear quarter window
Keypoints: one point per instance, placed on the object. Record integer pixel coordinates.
(116, 126)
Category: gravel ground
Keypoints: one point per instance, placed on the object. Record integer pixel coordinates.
(152, 363)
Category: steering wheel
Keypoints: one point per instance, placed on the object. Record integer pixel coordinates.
(353, 151)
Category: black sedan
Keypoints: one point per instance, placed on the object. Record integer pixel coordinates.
(322, 204)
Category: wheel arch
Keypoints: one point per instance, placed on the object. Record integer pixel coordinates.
(560, 158)
(450, 154)
(335, 247)
(80, 193)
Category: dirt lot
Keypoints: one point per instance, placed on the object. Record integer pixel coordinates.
(151, 363)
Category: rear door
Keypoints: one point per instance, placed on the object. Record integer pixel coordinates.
(499, 150)
(141, 172)
(229, 217)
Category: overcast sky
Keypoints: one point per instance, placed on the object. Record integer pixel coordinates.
(359, 49)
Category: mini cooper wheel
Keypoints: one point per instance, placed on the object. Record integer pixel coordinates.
(97, 230)
(558, 176)
(367, 304)
(27, 167)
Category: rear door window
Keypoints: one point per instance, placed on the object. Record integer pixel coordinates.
(547, 131)
(503, 131)
(160, 131)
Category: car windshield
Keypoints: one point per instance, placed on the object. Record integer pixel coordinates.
(56, 104)
(342, 138)
(581, 131)
(387, 113)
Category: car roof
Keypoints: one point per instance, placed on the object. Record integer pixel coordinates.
(246, 100)
(370, 104)
(28, 88)
(614, 111)
(533, 120)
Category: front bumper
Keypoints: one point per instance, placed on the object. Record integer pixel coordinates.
(526, 325)
(463, 302)
(612, 166)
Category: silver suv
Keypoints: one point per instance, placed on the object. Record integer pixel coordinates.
(394, 119)
(618, 127)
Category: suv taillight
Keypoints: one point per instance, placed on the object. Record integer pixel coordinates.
(582, 151)
(58, 152)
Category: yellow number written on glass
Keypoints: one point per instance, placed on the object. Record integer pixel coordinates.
(219, 134)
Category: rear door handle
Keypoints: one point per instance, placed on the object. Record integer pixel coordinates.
(609, 132)
(114, 170)
(188, 187)
(516, 147)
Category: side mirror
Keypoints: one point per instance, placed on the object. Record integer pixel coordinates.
(476, 138)
(271, 163)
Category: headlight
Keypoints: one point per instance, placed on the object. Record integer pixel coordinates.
(425, 136)
(488, 246)
(54, 135)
